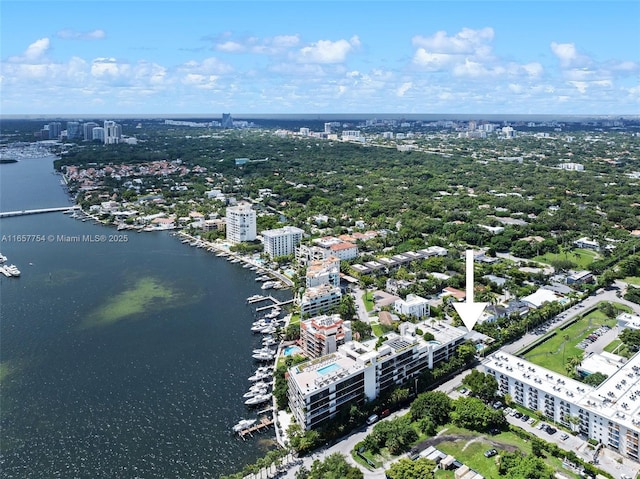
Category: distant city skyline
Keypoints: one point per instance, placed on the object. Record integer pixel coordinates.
(320, 57)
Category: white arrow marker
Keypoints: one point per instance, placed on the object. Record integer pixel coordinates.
(469, 311)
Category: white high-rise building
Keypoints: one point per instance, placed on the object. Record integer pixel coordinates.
(241, 223)
(112, 132)
(97, 133)
(281, 241)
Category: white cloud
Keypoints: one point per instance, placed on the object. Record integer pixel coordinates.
(404, 88)
(569, 56)
(465, 42)
(69, 34)
(34, 52)
(326, 51)
(261, 46)
(109, 67)
(434, 61)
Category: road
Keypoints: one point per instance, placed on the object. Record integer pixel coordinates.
(608, 460)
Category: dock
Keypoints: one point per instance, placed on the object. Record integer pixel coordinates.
(275, 302)
(264, 423)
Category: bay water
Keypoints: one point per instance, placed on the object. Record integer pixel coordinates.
(119, 358)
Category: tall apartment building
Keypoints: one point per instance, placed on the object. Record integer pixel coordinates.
(112, 132)
(97, 133)
(87, 130)
(282, 241)
(306, 254)
(241, 223)
(320, 387)
(319, 300)
(321, 335)
(73, 130)
(323, 271)
(608, 413)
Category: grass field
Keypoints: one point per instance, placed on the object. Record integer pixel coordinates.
(552, 353)
(377, 329)
(634, 280)
(470, 449)
(581, 257)
(367, 299)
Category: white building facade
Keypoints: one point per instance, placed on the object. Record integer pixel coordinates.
(319, 388)
(319, 300)
(413, 305)
(608, 413)
(281, 241)
(241, 223)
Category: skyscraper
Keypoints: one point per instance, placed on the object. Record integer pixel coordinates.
(241, 223)
(112, 132)
(73, 130)
(227, 121)
(87, 130)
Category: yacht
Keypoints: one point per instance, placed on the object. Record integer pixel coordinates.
(269, 341)
(3, 258)
(243, 424)
(258, 399)
(261, 373)
(264, 355)
(13, 270)
(255, 392)
(268, 285)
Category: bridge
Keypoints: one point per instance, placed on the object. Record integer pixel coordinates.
(6, 214)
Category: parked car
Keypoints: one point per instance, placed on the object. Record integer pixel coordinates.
(490, 453)
(551, 430)
(564, 436)
(524, 418)
(518, 415)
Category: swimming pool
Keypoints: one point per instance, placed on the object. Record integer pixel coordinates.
(290, 350)
(328, 369)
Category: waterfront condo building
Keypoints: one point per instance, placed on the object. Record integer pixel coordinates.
(241, 223)
(319, 300)
(358, 372)
(281, 241)
(323, 271)
(608, 413)
(321, 335)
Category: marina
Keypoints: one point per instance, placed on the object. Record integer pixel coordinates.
(264, 423)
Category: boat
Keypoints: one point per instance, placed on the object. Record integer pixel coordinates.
(264, 349)
(258, 399)
(4, 271)
(259, 326)
(264, 355)
(243, 424)
(13, 270)
(255, 297)
(261, 373)
(268, 330)
(3, 258)
(267, 285)
(255, 392)
(269, 341)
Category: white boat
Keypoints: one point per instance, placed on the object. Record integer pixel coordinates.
(269, 341)
(268, 330)
(254, 297)
(258, 399)
(267, 285)
(12, 270)
(3, 258)
(264, 355)
(259, 326)
(243, 424)
(261, 373)
(254, 392)
(4, 271)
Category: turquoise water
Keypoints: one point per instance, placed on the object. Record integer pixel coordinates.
(328, 369)
(289, 350)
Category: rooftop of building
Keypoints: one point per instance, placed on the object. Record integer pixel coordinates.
(617, 398)
(285, 230)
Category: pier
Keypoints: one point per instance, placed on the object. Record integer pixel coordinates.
(6, 214)
(271, 306)
(264, 423)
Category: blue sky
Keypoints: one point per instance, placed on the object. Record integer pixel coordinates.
(287, 57)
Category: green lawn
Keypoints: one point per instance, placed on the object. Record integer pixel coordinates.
(295, 318)
(634, 280)
(581, 257)
(552, 353)
(470, 451)
(367, 299)
(377, 329)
